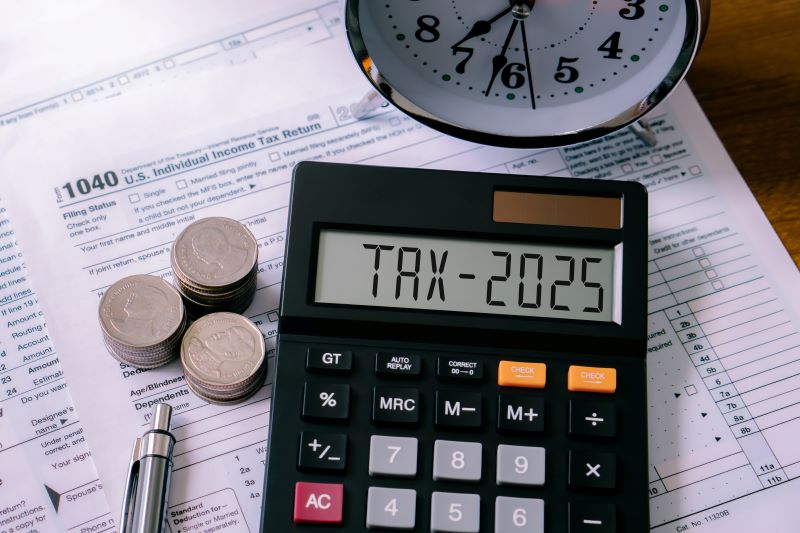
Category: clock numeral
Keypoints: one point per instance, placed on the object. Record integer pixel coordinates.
(611, 47)
(462, 65)
(562, 282)
(564, 72)
(633, 11)
(427, 32)
(512, 76)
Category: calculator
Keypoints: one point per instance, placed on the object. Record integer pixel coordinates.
(460, 352)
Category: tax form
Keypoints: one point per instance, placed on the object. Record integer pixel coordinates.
(723, 320)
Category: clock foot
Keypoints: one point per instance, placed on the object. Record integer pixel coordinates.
(642, 129)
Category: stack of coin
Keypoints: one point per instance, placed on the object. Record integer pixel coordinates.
(214, 263)
(142, 319)
(223, 358)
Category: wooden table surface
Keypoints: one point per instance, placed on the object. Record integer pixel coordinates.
(747, 79)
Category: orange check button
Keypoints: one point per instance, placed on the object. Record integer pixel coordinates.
(516, 374)
(592, 379)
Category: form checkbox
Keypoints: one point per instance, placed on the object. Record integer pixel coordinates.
(698, 251)
(123, 80)
(694, 170)
(717, 284)
(691, 390)
(705, 263)
(272, 316)
(627, 167)
(169, 63)
(181, 184)
(77, 96)
(394, 121)
(134, 198)
(656, 159)
(711, 274)
(274, 156)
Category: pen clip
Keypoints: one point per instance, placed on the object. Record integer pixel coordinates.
(130, 488)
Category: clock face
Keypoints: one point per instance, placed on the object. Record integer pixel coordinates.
(522, 71)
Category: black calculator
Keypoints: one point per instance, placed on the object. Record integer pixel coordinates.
(460, 352)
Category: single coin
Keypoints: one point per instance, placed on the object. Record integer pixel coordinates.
(214, 252)
(222, 350)
(141, 311)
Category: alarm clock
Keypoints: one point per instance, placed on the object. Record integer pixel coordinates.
(525, 73)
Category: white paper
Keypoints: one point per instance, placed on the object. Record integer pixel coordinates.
(47, 477)
(56, 55)
(723, 291)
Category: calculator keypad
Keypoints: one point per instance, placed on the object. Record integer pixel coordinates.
(398, 440)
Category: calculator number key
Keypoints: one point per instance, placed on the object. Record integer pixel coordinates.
(457, 461)
(453, 512)
(323, 401)
(322, 451)
(517, 515)
(391, 508)
(392, 456)
(595, 470)
(520, 465)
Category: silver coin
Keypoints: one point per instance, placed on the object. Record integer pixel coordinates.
(222, 349)
(221, 401)
(141, 311)
(214, 252)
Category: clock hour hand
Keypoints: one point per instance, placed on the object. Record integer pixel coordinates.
(500, 60)
(482, 27)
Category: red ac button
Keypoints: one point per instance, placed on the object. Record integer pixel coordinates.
(318, 503)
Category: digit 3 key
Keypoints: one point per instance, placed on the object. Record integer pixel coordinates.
(460, 352)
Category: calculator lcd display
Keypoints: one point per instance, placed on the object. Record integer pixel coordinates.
(464, 275)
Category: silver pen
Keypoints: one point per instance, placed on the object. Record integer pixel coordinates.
(144, 505)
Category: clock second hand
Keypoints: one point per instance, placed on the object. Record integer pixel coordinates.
(528, 64)
(499, 61)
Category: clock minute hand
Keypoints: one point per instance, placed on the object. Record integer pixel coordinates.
(500, 60)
